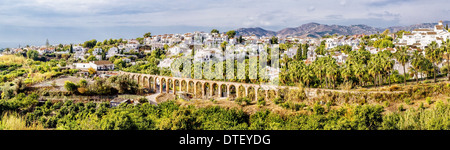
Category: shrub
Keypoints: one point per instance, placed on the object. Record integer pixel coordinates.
(278, 100)
(83, 83)
(400, 108)
(318, 109)
(70, 86)
(386, 103)
(394, 88)
(408, 101)
(261, 101)
(241, 101)
(142, 100)
(421, 106)
(428, 100)
(81, 90)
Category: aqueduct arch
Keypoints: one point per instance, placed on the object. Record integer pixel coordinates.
(201, 88)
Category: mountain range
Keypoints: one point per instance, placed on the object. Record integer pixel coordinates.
(316, 30)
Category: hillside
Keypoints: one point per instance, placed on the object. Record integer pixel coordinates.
(318, 30)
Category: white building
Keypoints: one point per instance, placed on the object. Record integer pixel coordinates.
(424, 36)
(97, 51)
(112, 51)
(97, 65)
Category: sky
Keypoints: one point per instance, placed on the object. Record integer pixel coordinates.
(31, 22)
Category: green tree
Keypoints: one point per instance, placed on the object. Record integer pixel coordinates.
(387, 64)
(83, 83)
(70, 86)
(231, 34)
(417, 60)
(71, 49)
(214, 31)
(299, 54)
(91, 58)
(305, 50)
(90, 44)
(402, 57)
(434, 54)
(119, 63)
(140, 40)
(386, 32)
(274, 40)
(308, 74)
(446, 50)
(223, 45)
(320, 50)
(148, 34)
(33, 54)
(47, 44)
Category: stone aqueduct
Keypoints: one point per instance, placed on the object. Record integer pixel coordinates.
(209, 88)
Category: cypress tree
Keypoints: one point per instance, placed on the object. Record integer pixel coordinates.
(299, 56)
(305, 51)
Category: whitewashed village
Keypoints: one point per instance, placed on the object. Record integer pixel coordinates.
(389, 71)
(208, 46)
(310, 62)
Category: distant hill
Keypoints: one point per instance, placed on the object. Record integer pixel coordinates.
(255, 31)
(318, 30)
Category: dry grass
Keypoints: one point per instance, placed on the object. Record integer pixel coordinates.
(13, 121)
(227, 104)
(164, 97)
(12, 59)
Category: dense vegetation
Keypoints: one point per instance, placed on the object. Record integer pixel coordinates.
(170, 116)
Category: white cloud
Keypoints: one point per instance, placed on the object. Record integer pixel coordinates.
(218, 13)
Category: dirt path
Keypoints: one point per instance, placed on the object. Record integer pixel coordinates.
(152, 98)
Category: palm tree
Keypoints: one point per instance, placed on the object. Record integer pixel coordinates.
(416, 63)
(346, 72)
(434, 54)
(402, 57)
(360, 70)
(319, 67)
(446, 50)
(307, 74)
(375, 67)
(388, 65)
(331, 70)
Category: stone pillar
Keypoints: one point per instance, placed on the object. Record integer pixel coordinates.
(203, 90)
(228, 90)
(174, 88)
(237, 91)
(220, 91)
(256, 94)
(160, 86)
(167, 85)
(246, 91)
(195, 88)
(211, 89)
(187, 86)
